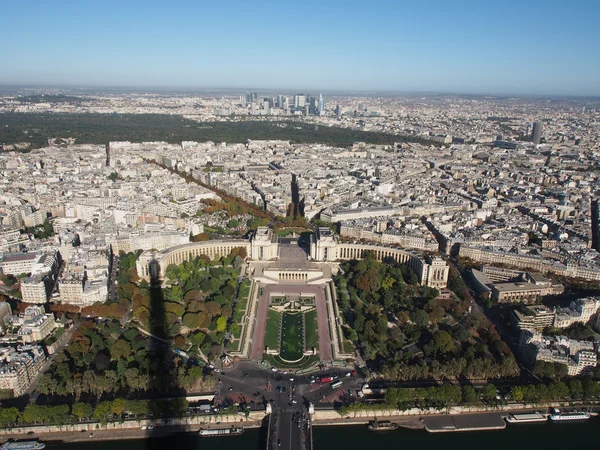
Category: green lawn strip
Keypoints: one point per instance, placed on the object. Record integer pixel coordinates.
(307, 361)
(347, 346)
(310, 323)
(292, 342)
(233, 345)
(242, 301)
(272, 333)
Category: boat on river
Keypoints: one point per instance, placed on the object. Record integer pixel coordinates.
(381, 425)
(215, 432)
(558, 416)
(526, 418)
(23, 445)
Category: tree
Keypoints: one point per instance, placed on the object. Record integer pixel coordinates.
(221, 324)
(420, 317)
(443, 341)
(113, 176)
(180, 342)
(102, 411)
(388, 282)
(575, 389)
(175, 308)
(82, 410)
(120, 349)
(191, 320)
(469, 395)
(47, 384)
(8, 417)
(198, 338)
(489, 392)
(517, 393)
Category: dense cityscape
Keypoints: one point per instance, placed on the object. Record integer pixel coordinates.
(466, 247)
(298, 226)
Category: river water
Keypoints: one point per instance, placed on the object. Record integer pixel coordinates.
(516, 436)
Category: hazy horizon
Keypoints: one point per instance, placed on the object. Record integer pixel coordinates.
(87, 89)
(537, 48)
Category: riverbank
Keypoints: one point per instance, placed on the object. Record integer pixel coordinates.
(429, 420)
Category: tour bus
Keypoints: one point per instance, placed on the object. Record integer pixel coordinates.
(336, 385)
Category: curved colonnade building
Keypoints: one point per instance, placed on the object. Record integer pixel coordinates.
(324, 247)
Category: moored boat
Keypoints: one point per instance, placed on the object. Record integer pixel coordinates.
(526, 418)
(559, 416)
(381, 425)
(214, 432)
(23, 445)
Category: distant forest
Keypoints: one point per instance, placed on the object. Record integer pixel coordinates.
(102, 128)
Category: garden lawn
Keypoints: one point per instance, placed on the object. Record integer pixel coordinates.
(272, 333)
(310, 323)
(292, 342)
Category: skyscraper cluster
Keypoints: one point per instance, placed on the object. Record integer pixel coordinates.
(300, 104)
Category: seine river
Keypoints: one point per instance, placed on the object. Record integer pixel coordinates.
(516, 436)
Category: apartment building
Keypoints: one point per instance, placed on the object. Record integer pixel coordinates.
(18, 368)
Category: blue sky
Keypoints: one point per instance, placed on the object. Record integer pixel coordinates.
(483, 46)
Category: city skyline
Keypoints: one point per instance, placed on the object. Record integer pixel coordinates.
(469, 47)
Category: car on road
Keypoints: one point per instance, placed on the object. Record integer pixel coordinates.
(348, 374)
(230, 389)
(147, 427)
(292, 379)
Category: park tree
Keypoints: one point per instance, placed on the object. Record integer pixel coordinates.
(175, 308)
(469, 395)
(489, 392)
(8, 417)
(420, 317)
(120, 349)
(517, 393)
(191, 320)
(82, 410)
(575, 389)
(221, 324)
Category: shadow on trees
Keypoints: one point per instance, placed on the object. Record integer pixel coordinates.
(162, 379)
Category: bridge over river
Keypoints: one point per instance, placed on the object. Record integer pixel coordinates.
(289, 428)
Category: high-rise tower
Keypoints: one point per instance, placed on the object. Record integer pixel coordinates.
(321, 106)
(536, 134)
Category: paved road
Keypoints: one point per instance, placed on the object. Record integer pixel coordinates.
(258, 340)
(250, 382)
